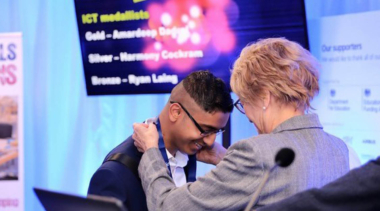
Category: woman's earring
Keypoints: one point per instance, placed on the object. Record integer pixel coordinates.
(264, 108)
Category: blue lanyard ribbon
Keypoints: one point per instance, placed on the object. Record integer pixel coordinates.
(161, 146)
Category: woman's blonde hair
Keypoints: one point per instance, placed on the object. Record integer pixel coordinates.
(282, 67)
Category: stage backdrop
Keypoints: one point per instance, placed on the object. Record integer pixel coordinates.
(345, 39)
(11, 123)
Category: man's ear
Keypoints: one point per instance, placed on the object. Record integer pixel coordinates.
(174, 112)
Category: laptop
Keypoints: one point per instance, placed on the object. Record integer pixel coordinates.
(55, 201)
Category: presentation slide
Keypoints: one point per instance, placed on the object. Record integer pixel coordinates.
(349, 101)
(148, 46)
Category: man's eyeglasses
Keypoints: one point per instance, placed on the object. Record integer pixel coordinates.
(239, 106)
(203, 132)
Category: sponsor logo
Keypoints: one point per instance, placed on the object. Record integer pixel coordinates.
(369, 141)
(367, 92)
(332, 93)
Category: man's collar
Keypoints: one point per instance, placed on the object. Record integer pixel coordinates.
(180, 159)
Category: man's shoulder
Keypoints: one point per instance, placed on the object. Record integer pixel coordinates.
(116, 168)
(113, 164)
(115, 180)
(128, 148)
(113, 175)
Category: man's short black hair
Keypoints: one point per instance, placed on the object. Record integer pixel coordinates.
(208, 91)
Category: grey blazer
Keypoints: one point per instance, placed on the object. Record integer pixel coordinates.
(320, 159)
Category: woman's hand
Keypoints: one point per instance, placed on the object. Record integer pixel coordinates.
(212, 155)
(145, 136)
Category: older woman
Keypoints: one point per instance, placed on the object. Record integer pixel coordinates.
(275, 80)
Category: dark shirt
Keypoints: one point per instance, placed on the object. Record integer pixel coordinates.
(358, 190)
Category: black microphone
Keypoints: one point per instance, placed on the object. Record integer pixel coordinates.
(283, 158)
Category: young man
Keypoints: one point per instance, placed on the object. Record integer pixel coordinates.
(198, 109)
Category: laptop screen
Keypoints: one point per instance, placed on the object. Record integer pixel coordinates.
(65, 202)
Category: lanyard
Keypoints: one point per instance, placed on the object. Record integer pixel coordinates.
(161, 145)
